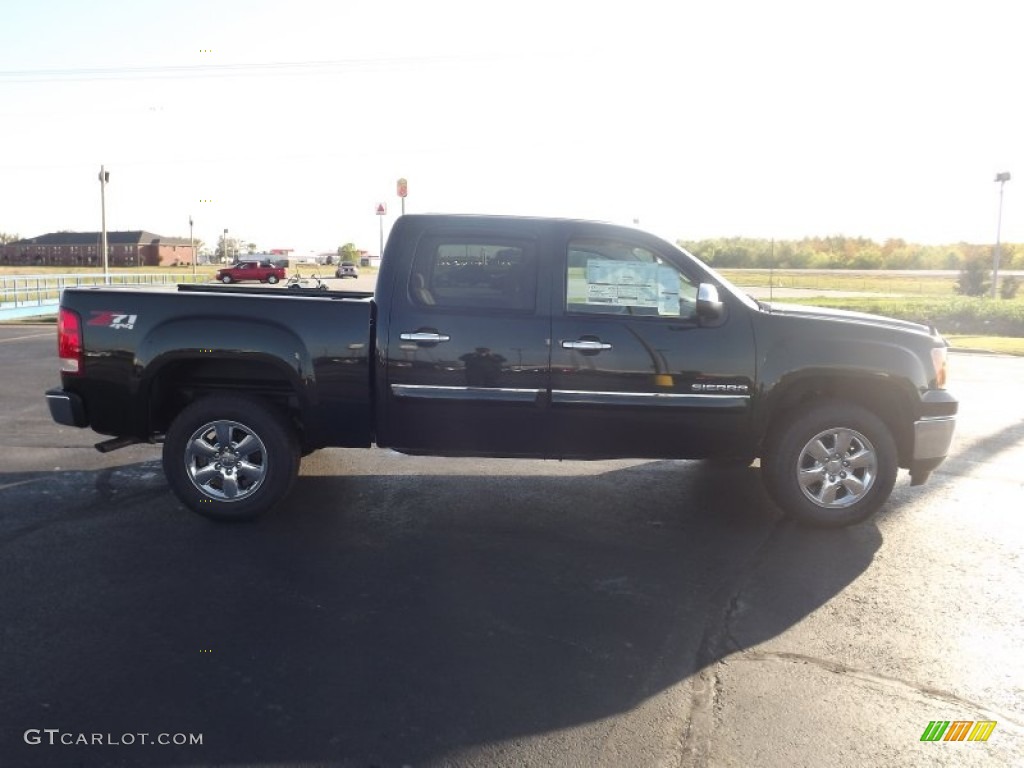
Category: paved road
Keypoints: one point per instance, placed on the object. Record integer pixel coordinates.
(421, 611)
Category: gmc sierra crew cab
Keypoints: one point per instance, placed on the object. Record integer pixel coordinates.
(508, 337)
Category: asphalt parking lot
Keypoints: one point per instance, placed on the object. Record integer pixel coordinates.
(423, 611)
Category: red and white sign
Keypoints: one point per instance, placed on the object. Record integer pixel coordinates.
(381, 209)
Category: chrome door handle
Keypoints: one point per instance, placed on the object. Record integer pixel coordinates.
(427, 338)
(586, 345)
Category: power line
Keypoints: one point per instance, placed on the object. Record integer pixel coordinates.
(233, 70)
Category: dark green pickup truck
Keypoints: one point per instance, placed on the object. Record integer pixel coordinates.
(512, 337)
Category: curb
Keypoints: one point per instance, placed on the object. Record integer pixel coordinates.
(978, 351)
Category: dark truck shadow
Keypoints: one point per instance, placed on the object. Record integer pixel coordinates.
(389, 619)
(394, 619)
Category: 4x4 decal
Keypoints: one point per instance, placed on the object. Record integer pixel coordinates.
(115, 320)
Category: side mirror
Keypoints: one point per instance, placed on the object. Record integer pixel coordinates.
(709, 306)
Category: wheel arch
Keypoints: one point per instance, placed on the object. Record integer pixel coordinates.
(888, 398)
(222, 360)
(184, 381)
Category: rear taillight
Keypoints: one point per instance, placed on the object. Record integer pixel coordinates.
(69, 341)
(939, 363)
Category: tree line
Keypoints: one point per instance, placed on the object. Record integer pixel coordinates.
(841, 252)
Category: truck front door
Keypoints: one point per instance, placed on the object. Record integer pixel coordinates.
(634, 371)
(466, 355)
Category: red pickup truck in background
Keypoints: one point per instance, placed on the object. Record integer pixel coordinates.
(263, 271)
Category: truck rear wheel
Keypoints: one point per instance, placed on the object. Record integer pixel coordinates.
(230, 457)
(834, 465)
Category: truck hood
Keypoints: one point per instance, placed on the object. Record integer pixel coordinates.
(823, 313)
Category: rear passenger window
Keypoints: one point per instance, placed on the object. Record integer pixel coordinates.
(475, 273)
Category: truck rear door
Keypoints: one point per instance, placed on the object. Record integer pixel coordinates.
(466, 350)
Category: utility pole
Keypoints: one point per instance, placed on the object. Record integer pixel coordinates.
(192, 243)
(104, 178)
(1002, 178)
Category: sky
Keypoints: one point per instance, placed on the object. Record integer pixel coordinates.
(287, 122)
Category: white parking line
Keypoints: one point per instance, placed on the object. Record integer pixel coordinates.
(20, 482)
(22, 338)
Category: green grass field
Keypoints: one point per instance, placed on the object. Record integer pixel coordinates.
(47, 289)
(209, 270)
(913, 285)
(979, 323)
(929, 299)
(1004, 345)
(44, 271)
(953, 315)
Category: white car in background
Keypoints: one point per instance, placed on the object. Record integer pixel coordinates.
(347, 269)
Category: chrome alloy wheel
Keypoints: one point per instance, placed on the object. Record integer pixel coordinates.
(226, 460)
(837, 468)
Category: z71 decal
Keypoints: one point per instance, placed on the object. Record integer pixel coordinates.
(113, 319)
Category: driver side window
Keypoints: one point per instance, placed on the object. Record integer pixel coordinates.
(605, 276)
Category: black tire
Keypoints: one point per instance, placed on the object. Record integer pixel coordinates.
(272, 279)
(255, 472)
(832, 465)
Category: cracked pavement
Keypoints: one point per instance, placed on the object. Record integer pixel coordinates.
(930, 631)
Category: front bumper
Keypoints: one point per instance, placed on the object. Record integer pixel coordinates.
(933, 434)
(933, 437)
(66, 408)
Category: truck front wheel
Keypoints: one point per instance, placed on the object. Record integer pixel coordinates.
(832, 466)
(230, 457)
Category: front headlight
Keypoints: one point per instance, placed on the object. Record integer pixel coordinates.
(939, 362)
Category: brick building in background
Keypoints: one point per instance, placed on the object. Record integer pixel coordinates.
(135, 248)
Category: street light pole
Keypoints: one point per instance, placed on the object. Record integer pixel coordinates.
(224, 250)
(1002, 178)
(104, 178)
(192, 244)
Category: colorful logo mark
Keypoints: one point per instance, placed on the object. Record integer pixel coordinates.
(958, 730)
